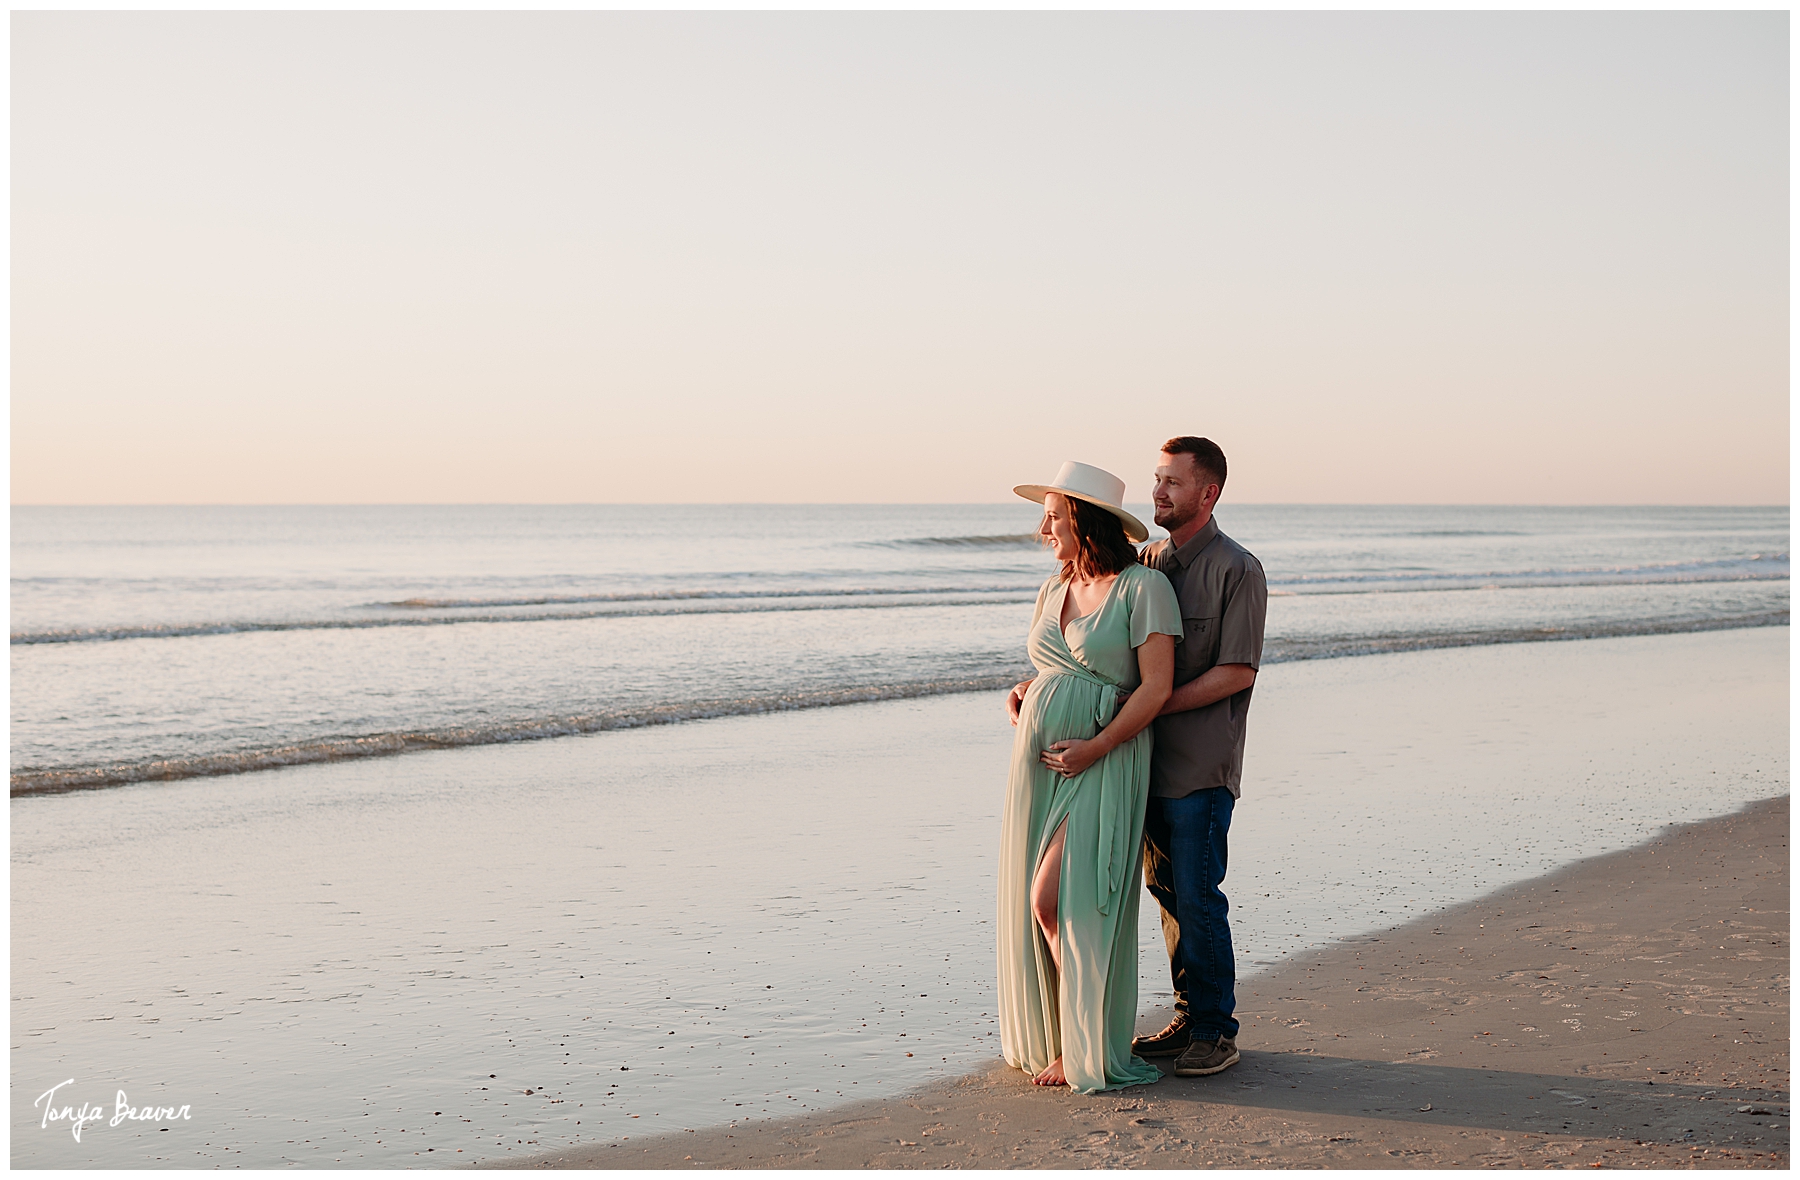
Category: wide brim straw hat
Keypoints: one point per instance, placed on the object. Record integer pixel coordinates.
(1098, 487)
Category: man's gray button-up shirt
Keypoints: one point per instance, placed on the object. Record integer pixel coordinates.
(1224, 600)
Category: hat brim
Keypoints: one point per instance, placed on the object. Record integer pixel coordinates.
(1134, 528)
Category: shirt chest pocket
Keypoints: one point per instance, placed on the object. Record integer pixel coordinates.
(1199, 647)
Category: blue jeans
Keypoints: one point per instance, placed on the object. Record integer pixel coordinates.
(1184, 862)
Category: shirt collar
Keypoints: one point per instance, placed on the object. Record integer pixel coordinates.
(1190, 552)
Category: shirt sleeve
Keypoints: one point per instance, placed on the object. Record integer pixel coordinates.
(1151, 603)
(1241, 622)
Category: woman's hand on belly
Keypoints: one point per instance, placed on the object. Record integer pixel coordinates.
(1071, 758)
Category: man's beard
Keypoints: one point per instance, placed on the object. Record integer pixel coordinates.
(1173, 519)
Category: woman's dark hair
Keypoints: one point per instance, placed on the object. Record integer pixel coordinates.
(1101, 546)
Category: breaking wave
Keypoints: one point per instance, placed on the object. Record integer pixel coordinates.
(605, 607)
(1333, 647)
(986, 541)
(39, 782)
(1758, 567)
(50, 781)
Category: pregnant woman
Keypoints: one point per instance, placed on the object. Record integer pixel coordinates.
(1070, 863)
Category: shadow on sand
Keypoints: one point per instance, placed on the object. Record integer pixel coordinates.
(1648, 1109)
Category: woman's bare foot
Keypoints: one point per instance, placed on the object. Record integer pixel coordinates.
(1052, 1075)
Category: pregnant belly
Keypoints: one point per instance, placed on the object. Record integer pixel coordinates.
(1061, 708)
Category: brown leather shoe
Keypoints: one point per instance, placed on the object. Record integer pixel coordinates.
(1167, 1043)
(1204, 1057)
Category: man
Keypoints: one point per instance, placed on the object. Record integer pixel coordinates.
(1199, 755)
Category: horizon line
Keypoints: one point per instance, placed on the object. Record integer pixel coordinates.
(863, 504)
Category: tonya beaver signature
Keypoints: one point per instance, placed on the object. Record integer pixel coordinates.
(79, 1117)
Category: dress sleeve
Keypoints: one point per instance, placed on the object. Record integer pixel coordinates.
(1151, 601)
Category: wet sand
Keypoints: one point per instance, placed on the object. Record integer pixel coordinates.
(1628, 1011)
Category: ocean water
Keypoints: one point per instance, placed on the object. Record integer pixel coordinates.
(167, 643)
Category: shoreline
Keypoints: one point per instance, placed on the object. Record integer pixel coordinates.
(1628, 1010)
(55, 781)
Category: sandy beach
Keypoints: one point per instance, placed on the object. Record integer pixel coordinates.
(1630, 1011)
(513, 952)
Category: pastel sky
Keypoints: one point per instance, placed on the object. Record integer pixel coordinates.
(630, 257)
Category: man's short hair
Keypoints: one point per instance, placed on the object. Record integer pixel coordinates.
(1207, 455)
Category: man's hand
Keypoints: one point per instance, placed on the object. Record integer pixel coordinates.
(1015, 699)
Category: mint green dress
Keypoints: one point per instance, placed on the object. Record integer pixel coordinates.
(1088, 1015)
